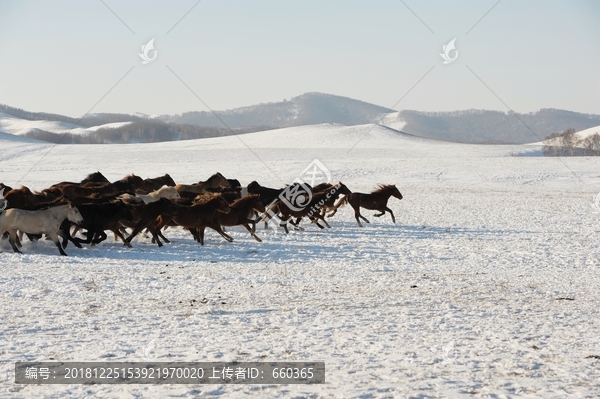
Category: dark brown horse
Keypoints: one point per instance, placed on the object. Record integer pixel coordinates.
(240, 211)
(195, 218)
(146, 215)
(377, 200)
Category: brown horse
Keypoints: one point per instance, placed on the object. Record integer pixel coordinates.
(377, 200)
(195, 218)
(130, 184)
(21, 198)
(240, 211)
(155, 183)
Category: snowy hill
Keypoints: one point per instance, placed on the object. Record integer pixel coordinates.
(579, 136)
(17, 126)
(307, 109)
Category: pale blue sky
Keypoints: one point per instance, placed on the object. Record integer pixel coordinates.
(63, 56)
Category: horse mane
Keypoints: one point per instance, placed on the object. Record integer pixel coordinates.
(383, 188)
(215, 176)
(206, 198)
(95, 177)
(322, 186)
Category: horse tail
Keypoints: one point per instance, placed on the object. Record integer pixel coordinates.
(343, 201)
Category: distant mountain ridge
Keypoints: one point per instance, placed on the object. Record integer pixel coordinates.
(491, 127)
(307, 109)
(469, 126)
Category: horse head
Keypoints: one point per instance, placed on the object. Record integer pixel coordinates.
(73, 214)
(168, 180)
(396, 192)
(343, 189)
(257, 204)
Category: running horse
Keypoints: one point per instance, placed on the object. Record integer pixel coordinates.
(377, 200)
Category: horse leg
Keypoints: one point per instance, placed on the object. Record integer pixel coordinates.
(201, 235)
(321, 217)
(12, 238)
(54, 237)
(378, 215)
(66, 234)
(247, 227)
(219, 230)
(357, 215)
(391, 213)
(117, 233)
(160, 234)
(100, 236)
(132, 235)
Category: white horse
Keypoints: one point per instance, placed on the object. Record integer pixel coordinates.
(163, 192)
(46, 221)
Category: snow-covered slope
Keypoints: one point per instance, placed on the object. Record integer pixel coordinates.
(487, 286)
(17, 126)
(393, 120)
(580, 135)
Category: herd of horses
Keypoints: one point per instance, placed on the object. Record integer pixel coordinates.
(95, 205)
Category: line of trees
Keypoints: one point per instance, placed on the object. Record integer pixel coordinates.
(137, 132)
(568, 144)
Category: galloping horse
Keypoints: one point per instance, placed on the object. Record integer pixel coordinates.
(377, 200)
(153, 184)
(240, 211)
(46, 221)
(195, 218)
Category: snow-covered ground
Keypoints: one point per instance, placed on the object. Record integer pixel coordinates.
(17, 126)
(488, 285)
